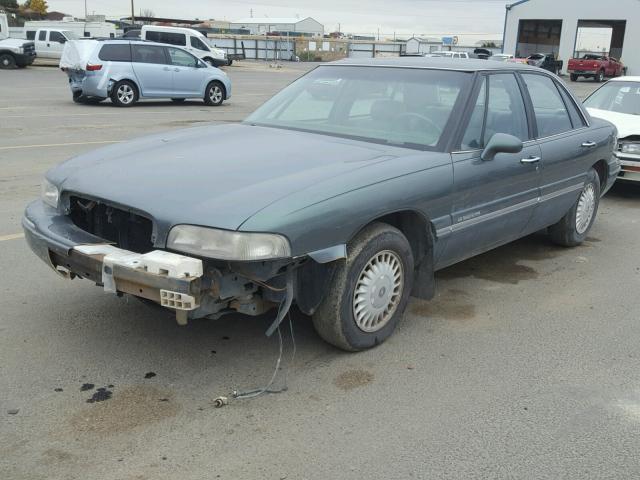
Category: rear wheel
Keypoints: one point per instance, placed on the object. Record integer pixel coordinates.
(574, 77)
(600, 76)
(214, 94)
(574, 227)
(7, 61)
(124, 94)
(369, 290)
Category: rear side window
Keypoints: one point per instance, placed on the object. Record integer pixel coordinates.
(576, 119)
(551, 114)
(148, 54)
(42, 35)
(171, 38)
(115, 52)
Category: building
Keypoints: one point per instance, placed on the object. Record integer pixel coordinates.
(422, 45)
(262, 26)
(551, 26)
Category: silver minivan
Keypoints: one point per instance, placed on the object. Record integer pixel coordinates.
(127, 70)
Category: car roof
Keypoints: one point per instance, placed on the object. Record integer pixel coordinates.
(439, 63)
(625, 79)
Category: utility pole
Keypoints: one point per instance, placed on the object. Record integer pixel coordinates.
(85, 10)
(133, 17)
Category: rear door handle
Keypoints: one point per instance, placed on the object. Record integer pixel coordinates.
(589, 144)
(526, 161)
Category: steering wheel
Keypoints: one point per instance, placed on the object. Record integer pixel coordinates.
(409, 120)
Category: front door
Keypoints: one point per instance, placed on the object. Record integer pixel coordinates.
(493, 200)
(56, 43)
(152, 69)
(42, 44)
(188, 78)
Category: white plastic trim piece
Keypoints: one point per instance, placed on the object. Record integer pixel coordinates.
(177, 300)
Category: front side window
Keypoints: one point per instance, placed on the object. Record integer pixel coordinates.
(551, 114)
(42, 35)
(498, 109)
(619, 97)
(148, 54)
(399, 106)
(182, 58)
(57, 37)
(197, 43)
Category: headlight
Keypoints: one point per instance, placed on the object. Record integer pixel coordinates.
(632, 148)
(50, 194)
(227, 245)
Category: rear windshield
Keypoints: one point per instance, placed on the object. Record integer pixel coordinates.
(399, 106)
(619, 97)
(117, 52)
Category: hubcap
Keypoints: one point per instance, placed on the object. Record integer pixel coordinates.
(378, 291)
(5, 61)
(125, 93)
(215, 94)
(586, 208)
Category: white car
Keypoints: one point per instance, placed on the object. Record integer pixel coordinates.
(501, 57)
(448, 54)
(188, 39)
(618, 101)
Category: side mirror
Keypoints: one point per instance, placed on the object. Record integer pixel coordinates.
(62, 40)
(501, 143)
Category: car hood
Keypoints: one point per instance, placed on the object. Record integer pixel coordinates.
(14, 43)
(626, 124)
(216, 176)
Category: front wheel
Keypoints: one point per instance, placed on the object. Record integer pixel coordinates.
(214, 94)
(574, 227)
(369, 291)
(600, 76)
(574, 77)
(7, 61)
(124, 94)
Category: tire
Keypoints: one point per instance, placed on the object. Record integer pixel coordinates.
(574, 77)
(124, 94)
(7, 61)
(378, 246)
(574, 227)
(178, 100)
(599, 78)
(214, 94)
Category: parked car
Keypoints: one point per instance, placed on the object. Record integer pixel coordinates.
(14, 52)
(127, 70)
(188, 39)
(501, 57)
(594, 66)
(448, 54)
(50, 42)
(618, 101)
(546, 61)
(352, 186)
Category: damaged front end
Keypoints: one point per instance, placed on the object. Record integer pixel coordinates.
(203, 272)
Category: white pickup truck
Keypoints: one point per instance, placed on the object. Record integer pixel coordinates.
(14, 52)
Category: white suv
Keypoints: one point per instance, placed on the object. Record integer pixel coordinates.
(188, 39)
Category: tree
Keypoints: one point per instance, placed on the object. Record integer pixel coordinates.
(147, 12)
(38, 6)
(9, 5)
(489, 45)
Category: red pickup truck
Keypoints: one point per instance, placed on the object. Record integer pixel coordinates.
(595, 66)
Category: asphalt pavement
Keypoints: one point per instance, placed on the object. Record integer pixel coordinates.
(525, 365)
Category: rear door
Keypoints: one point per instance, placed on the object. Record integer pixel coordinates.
(152, 69)
(568, 149)
(188, 79)
(42, 44)
(493, 200)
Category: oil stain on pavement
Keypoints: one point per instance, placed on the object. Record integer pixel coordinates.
(353, 379)
(451, 305)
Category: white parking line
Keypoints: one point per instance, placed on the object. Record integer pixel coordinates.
(43, 145)
(13, 236)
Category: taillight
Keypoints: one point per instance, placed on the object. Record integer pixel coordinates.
(93, 68)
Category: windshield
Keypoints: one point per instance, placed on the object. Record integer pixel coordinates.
(400, 106)
(70, 35)
(620, 97)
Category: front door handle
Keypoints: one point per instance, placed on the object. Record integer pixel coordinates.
(589, 144)
(526, 161)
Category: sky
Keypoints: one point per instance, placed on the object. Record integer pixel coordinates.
(479, 19)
